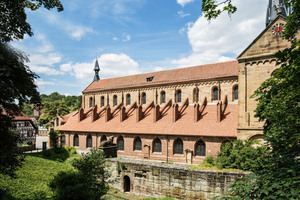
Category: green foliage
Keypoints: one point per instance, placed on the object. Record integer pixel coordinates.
(27, 109)
(32, 179)
(59, 154)
(13, 24)
(212, 9)
(209, 159)
(54, 137)
(89, 180)
(71, 150)
(241, 155)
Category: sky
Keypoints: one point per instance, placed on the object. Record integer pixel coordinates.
(130, 37)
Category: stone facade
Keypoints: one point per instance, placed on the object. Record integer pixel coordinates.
(161, 179)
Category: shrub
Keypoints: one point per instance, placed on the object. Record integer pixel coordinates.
(71, 150)
(59, 154)
(209, 159)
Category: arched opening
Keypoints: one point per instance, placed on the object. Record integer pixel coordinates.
(137, 144)
(157, 145)
(178, 146)
(128, 99)
(103, 138)
(163, 97)
(76, 141)
(102, 101)
(144, 98)
(200, 148)
(126, 183)
(120, 143)
(91, 102)
(196, 95)
(178, 94)
(115, 98)
(215, 95)
(236, 92)
(89, 141)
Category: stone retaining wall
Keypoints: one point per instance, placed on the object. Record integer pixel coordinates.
(173, 180)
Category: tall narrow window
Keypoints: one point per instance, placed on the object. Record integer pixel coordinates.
(196, 95)
(178, 146)
(89, 141)
(215, 94)
(163, 97)
(137, 146)
(157, 145)
(200, 148)
(144, 98)
(178, 96)
(128, 99)
(76, 141)
(102, 101)
(63, 140)
(115, 100)
(91, 102)
(57, 121)
(236, 92)
(120, 143)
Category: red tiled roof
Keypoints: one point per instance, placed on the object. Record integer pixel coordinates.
(202, 72)
(21, 117)
(185, 125)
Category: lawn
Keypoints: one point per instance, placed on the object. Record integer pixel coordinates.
(33, 178)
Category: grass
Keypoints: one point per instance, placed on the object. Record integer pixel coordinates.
(32, 178)
(207, 166)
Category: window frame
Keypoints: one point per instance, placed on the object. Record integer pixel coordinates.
(154, 146)
(136, 146)
(176, 149)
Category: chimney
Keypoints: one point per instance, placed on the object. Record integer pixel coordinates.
(139, 113)
(156, 113)
(94, 113)
(107, 114)
(80, 114)
(175, 112)
(196, 112)
(122, 114)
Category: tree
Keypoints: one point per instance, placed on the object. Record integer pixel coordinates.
(278, 105)
(87, 183)
(16, 80)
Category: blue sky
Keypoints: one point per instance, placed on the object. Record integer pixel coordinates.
(130, 37)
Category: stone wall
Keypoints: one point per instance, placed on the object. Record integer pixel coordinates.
(158, 179)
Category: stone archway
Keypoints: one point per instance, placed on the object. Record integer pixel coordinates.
(126, 184)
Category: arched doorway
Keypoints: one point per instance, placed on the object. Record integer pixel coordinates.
(126, 183)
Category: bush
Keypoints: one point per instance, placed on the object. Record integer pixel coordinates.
(59, 154)
(209, 160)
(71, 150)
(87, 183)
(241, 155)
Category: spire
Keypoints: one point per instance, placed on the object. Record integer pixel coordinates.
(275, 8)
(96, 69)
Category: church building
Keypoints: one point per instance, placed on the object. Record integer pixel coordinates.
(183, 114)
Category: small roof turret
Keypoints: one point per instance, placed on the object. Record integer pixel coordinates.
(275, 8)
(96, 69)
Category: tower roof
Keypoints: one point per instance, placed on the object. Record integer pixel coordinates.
(276, 7)
(96, 69)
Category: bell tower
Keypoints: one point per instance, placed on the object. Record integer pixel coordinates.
(96, 69)
(275, 8)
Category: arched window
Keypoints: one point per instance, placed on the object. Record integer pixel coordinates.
(89, 141)
(102, 101)
(157, 145)
(196, 95)
(120, 143)
(236, 92)
(115, 100)
(103, 138)
(178, 146)
(144, 98)
(128, 99)
(76, 141)
(215, 94)
(137, 145)
(163, 97)
(57, 121)
(200, 149)
(63, 140)
(178, 96)
(91, 102)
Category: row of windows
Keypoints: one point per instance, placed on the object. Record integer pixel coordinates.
(200, 147)
(215, 96)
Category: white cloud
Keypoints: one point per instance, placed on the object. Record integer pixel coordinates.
(184, 2)
(75, 31)
(40, 82)
(224, 38)
(182, 14)
(126, 38)
(111, 65)
(115, 38)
